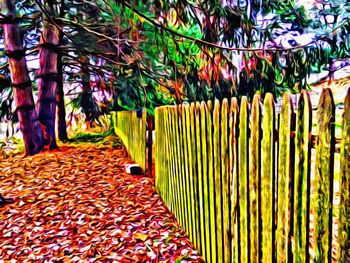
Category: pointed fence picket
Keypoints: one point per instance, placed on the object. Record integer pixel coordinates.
(285, 179)
(322, 196)
(233, 182)
(344, 207)
(239, 179)
(301, 193)
(243, 182)
(255, 179)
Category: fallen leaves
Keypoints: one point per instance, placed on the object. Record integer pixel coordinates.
(76, 204)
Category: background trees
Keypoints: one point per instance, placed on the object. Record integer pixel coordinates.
(142, 54)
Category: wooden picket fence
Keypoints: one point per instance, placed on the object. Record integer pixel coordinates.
(132, 131)
(238, 178)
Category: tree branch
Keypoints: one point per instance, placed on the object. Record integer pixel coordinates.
(213, 45)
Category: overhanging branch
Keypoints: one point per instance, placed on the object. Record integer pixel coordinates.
(213, 45)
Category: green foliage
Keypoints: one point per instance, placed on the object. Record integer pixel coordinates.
(143, 54)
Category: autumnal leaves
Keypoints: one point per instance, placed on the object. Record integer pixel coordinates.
(77, 204)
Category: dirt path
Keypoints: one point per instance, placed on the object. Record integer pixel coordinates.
(76, 204)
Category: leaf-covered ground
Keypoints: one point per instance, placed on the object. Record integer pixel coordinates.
(77, 204)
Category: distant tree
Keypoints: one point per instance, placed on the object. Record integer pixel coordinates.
(331, 24)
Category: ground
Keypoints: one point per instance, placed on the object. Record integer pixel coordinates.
(77, 204)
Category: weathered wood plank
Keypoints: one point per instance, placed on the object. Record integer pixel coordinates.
(170, 174)
(195, 218)
(284, 179)
(189, 174)
(268, 180)
(165, 175)
(183, 170)
(225, 187)
(171, 188)
(162, 148)
(321, 205)
(178, 165)
(301, 211)
(200, 204)
(182, 167)
(157, 156)
(206, 203)
(344, 191)
(243, 179)
(185, 163)
(142, 139)
(169, 160)
(211, 186)
(255, 180)
(217, 181)
(233, 155)
(160, 157)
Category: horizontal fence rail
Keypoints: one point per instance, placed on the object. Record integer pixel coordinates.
(131, 129)
(240, 179)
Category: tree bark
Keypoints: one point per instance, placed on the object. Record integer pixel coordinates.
(87, 102)
(47, 84)
(22, 86)
(61, 110)
(60, 106)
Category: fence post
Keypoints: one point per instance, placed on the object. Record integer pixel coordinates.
(301, 211)
(243, 181)
(150, 145)
(194, 181)
(205, 163)
(321, 204)
(268, 180)
(344, 192)
(189, 173)
(211, 190)
(233, 141)
(184, 125)
(176, 174)
(172, 184)
(225, 190)
(255, 180)
(217, 181)
(157, 120)
(179, 163)
(285, 178)
(165, 156)
(200, 185)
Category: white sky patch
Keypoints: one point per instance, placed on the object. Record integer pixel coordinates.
(308, 4)
(32, 62)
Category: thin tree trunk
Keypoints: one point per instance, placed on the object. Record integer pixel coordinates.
(47, 84)
(87, 102)
(22, 87)
(61, 110)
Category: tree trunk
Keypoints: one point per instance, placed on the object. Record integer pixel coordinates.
(87, 102)
(61, 110)
(60, 107)
(22, 86)
(47, 84)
